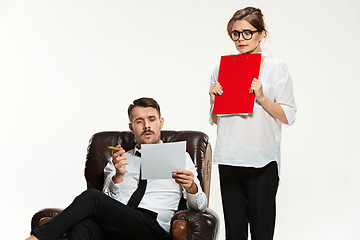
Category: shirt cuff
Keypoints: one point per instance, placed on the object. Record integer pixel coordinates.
(115, 188)
(290, 113)
(192, 199)
(196, 201)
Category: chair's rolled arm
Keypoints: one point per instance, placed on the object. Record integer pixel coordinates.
(46, 213)
(198, 226)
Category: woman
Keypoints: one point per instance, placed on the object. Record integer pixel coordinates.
(248, 146)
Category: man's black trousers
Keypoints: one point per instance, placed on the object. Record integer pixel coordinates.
(94, 215)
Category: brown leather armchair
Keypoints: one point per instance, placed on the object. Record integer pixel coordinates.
(185, 224)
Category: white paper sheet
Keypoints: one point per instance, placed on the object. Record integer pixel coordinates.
(158, 161)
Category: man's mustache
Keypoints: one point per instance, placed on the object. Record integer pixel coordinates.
(147, 131)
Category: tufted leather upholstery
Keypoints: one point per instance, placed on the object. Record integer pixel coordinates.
(185, 224)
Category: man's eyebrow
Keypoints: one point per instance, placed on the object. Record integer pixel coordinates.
(139, 118)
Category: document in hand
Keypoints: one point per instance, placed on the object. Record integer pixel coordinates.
(158, 161)
(235, 76)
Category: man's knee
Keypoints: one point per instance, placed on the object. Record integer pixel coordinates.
(91, 193)
(86, 230)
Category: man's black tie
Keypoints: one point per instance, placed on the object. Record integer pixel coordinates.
(139, 192)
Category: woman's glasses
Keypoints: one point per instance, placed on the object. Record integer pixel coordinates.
(246, 34)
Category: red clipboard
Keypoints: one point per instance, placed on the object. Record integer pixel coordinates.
(236, 73)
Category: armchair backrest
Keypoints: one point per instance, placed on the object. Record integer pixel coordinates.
(197, 145)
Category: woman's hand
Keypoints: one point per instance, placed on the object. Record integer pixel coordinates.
(256, 87)
(215, 89)
(274, 109)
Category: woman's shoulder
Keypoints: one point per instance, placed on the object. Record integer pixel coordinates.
(273, 59)
(275, 62)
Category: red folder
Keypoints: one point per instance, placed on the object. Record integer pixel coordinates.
(235, 76)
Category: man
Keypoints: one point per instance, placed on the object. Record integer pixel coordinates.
(130, 208)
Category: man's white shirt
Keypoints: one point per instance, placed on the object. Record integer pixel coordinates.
(161, 196)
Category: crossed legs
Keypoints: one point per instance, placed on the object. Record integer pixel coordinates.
(93, 215)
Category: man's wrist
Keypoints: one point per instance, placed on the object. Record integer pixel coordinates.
(117, 178)
(192, 189)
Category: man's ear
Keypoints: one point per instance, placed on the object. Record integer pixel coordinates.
(131, 127)
(161, 123)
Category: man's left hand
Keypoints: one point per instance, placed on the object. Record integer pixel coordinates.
(185, 178)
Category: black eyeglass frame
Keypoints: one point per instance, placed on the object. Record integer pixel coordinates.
(242, 33)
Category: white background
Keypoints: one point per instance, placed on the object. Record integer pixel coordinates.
(70, 68)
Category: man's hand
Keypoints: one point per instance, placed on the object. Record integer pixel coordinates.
(185, 178)
(119, 162)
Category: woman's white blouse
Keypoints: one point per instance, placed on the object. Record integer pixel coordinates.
(253, 140)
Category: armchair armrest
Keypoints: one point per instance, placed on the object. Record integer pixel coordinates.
(43, 216)
(187, 224)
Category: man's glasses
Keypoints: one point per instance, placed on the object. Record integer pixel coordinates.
(247, 34)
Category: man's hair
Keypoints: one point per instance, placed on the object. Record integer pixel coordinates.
(143, 102)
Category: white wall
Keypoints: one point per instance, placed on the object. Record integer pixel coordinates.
(70, 68)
